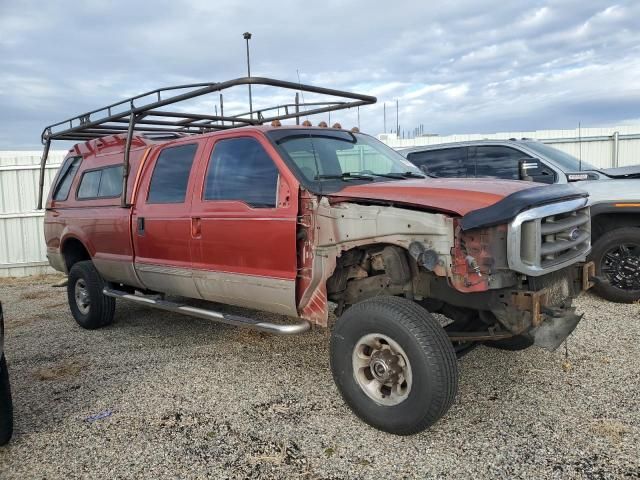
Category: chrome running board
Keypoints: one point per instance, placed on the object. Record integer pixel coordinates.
(236, 320)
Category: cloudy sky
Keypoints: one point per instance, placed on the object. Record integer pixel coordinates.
(455, 67)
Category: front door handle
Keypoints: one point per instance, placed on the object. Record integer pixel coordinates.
(140, 225)
(196, 227)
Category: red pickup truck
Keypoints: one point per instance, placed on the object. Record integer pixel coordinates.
(302, 221)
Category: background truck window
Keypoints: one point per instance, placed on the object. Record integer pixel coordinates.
(497, 161)
(171, 174)
(240, 169)
(447, 162)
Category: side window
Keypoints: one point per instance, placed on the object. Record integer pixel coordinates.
(67, 173)
(447, 162)
(171, 174)
(498, 162)
(240, 169)
(101, 183)
(544, 174)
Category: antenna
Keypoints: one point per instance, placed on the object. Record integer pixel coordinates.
(301, 91)
(579, 147)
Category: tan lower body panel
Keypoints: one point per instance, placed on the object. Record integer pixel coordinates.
(273, 295)
(118, 271)
(56, 260)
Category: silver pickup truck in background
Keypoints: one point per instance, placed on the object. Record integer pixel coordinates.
(614, 197)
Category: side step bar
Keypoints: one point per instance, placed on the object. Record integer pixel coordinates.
(236, 320)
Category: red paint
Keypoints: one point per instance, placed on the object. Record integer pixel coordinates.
(237, 238)
(231, 236)
(458, 196)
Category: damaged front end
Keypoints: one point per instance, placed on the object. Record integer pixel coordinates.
(495, 279)
(528, 287)
(544, 313)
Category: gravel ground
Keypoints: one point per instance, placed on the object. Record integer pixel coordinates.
(158, 395)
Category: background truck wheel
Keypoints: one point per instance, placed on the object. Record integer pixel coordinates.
(89, 306)
(513, 344)
(6, 407)
(617, 258)
(394, 364)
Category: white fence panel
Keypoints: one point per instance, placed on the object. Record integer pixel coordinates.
(602, 147)
(22, 249)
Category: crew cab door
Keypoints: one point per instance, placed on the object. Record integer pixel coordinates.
(161, 221)
(243, 225)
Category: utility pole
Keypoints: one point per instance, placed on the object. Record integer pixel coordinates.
(397, 121)
(247, 37)
(384, 115)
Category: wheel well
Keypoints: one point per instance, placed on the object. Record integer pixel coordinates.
(605, 222)
(365, 264)
(73, 252)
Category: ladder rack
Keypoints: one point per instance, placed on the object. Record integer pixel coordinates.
(145, 113)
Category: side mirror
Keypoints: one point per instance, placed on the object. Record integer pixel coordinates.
(528, 167)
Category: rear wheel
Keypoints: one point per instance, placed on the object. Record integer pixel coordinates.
(393, 364)
(6, 406)
(89, 306)
(616, 255)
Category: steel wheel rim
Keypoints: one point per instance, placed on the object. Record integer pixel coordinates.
(382, 370)
(621, 266)
(81, 293)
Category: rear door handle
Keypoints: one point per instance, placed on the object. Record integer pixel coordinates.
(140, 225)
(196, 227)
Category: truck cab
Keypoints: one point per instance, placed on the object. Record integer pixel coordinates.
(614, 195)
(311, 222)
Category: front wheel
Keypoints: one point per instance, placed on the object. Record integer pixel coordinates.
(394, 365)
(89, 306)
(616, 255)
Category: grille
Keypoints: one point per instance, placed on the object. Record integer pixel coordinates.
(548, 238)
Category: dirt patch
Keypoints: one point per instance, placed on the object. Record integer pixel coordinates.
(613, 430)
(34, 295)
(48, 279)
(60, 371)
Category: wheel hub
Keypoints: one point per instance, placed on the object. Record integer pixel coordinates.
(381, 368)
(81, 293)
(385, 366)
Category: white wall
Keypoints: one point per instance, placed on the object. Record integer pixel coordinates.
(596, 145)
(22, 249)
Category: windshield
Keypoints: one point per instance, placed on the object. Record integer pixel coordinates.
(324, 157)
(565, 161)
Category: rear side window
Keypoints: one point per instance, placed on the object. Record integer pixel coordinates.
(101, 183)
(67, 173)
(498, 162)
(171, 174)
(448, 162)
(240, 169)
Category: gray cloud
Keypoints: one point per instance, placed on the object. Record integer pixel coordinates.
(454, 66)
